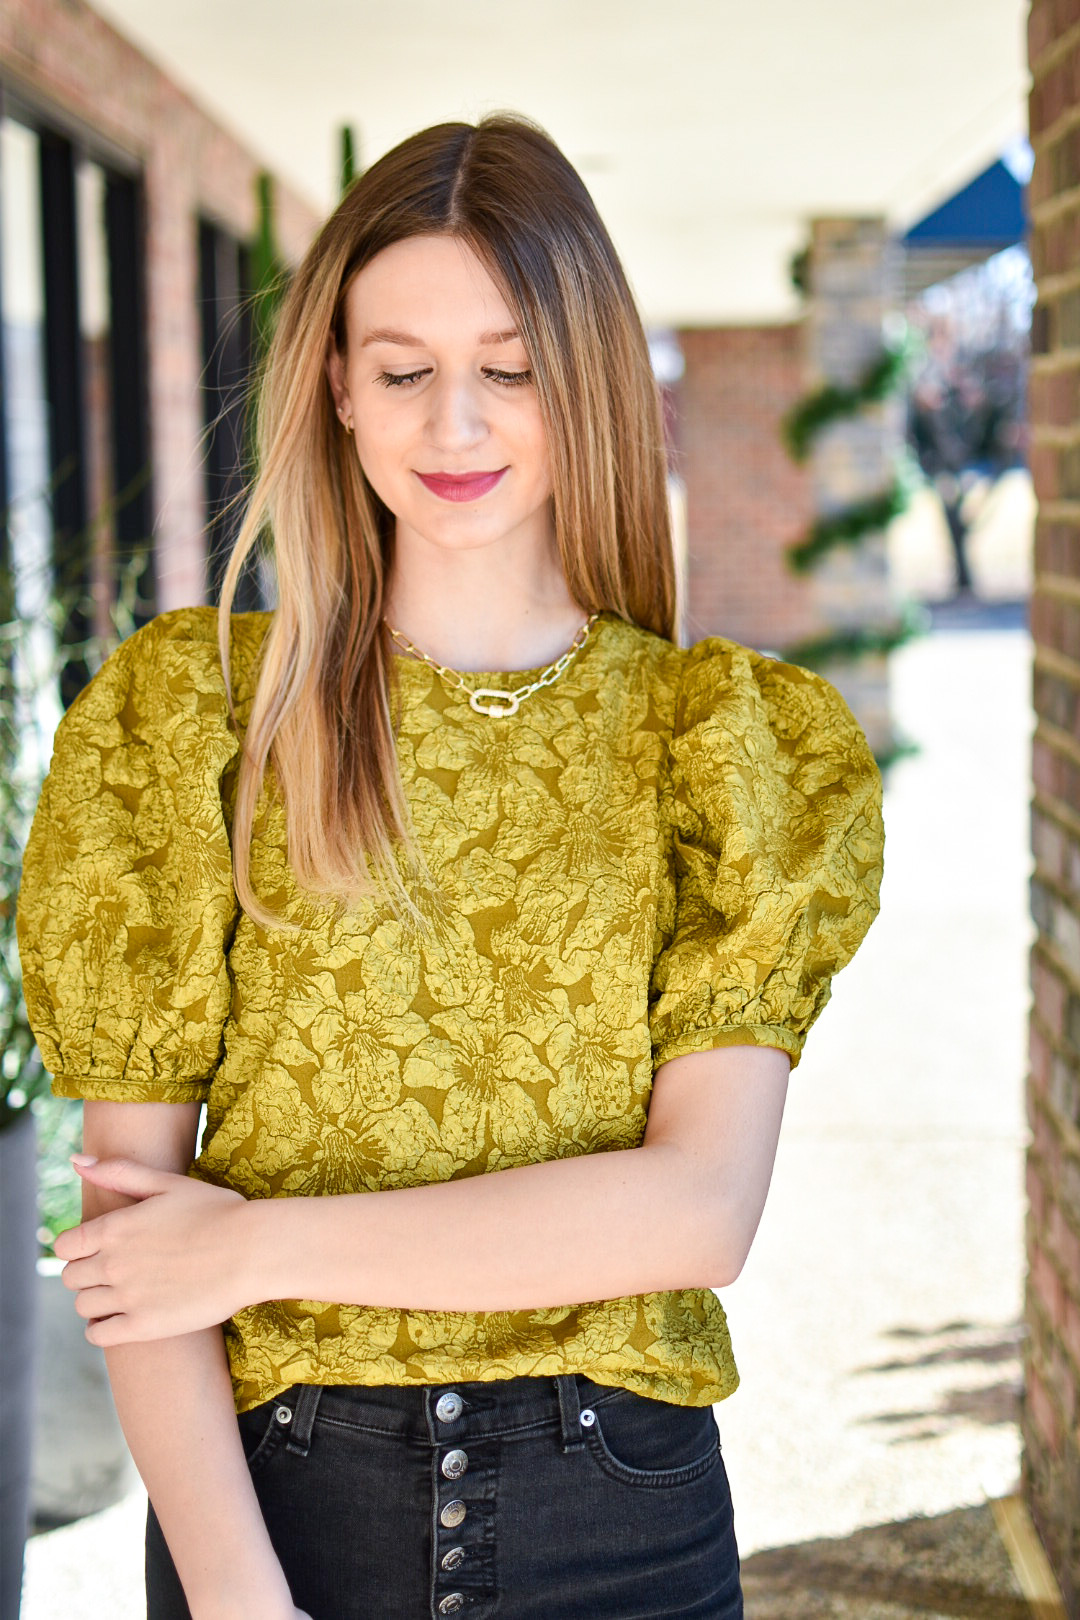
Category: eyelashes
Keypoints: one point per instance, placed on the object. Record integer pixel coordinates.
(408, 379)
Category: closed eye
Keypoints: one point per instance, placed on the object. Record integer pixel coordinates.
(401, 379)
(408, 379)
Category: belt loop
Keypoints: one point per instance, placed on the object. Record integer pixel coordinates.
(570, 1412)
(305, 1405)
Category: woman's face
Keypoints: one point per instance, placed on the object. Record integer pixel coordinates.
(436, 383)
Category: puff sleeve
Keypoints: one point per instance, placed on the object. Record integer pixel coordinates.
(775, 807)
(126, 906)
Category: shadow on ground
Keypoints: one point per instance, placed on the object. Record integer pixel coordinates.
(952, 1567)
(963, 1346)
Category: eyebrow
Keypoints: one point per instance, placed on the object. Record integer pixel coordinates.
(389, 334)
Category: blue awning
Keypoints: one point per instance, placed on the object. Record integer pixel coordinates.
(990, 212)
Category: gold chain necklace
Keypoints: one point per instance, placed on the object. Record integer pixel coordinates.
(500, 704)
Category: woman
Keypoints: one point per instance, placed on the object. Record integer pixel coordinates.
(401, 922)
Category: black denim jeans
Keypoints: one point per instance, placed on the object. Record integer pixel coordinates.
(519, 1499)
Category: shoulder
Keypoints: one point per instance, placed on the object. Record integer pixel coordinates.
(176, 656)
(742, 690)
(737, 696)
(191, 634)
(750, 727)
(164, 688)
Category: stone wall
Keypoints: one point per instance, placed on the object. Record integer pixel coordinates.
(853, 275)
(1052, 1373)
(71, 67)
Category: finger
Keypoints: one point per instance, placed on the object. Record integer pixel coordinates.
(106, 1331)
(124, 1175)
(81, 1274)
(77, 1242)
(93, 1303)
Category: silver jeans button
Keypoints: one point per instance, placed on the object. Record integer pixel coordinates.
(452, 1514)
(283, 1415)
(448, 1408)
(454, 1464)
(588, 1417)
(451, 1603)
(452, 1559)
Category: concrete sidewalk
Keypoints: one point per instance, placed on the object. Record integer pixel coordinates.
(876, 1325)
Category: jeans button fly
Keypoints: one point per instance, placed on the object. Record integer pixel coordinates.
(452, 1514)
(452, 1559)
(448, 1408)
(451, 1603)
(454, 1464)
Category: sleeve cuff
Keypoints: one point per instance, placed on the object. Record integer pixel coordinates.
(717, 1035)
(107, 1088)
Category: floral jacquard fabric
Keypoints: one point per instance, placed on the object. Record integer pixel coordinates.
(665, 851)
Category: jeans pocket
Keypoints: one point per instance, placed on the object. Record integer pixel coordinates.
(262, 1430)
(651, 1443)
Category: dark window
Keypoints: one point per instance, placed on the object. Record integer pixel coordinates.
(228, 355)
(75, 443)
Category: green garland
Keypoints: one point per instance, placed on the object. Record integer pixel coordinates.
(819, 410)
(853, 523)
(859, 642)
(832, 403)
(848, 526)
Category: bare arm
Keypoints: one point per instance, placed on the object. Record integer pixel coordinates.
(175, 1402)
(678, 1212)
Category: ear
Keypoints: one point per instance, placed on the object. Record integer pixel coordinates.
(335, 375)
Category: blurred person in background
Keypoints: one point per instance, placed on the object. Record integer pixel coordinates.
(453, 864)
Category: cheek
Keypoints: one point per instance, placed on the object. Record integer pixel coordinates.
(380, 443)
(379, 468)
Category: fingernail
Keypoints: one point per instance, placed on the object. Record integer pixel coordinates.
(83, 1159)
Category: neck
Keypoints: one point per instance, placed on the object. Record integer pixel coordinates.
(471, 611)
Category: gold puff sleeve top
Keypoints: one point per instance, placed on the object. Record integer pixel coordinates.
(663, 852)
(126, 907)
(775, 809)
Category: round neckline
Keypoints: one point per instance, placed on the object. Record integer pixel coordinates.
(521, 677)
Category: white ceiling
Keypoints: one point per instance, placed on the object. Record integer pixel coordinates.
(709, 131)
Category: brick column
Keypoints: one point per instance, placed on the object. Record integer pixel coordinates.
(1052, 1381)
(746, 500)
(853, 288)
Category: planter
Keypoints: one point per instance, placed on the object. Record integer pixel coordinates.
(81, 1461)
(18, 1249)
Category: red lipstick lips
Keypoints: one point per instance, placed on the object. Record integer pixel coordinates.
(460, 486)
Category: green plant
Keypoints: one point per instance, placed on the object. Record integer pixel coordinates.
(350, 170)
(59, 1191)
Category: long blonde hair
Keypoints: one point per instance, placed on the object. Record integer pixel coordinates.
(321, 713)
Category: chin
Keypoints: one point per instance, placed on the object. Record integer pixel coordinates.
(463, 535)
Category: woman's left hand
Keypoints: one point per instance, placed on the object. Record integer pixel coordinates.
(171, 1263)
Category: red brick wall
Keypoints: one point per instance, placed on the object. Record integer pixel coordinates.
(66, 61)
(746, 500)
(1052, 1397)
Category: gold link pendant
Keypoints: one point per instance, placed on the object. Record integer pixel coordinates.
(500, 704)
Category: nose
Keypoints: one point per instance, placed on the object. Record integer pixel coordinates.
(457, 418)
